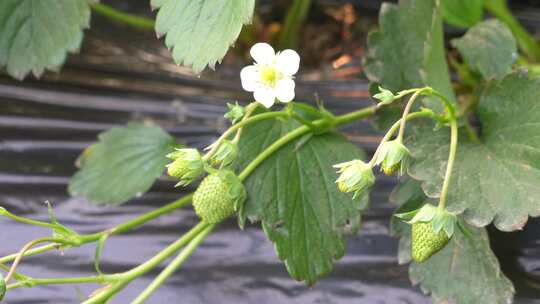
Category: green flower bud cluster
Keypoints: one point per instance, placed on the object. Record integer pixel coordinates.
(187, 165)
(355, 176)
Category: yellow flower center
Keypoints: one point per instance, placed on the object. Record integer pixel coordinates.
(269, 76)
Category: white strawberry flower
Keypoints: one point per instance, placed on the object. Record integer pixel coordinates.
(272, 75)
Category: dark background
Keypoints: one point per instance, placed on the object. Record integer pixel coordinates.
(123, 75)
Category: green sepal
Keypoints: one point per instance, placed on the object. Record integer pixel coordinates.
(60, 231)
(424, 214)
(187, 165)
(440, 219)
(385, 96)
(225, 155)
(97, 254)
(393, 157)
(355, 176)
(236, 112)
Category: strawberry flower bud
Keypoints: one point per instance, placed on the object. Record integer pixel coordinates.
(236, 112)
(385, 96)
(187, 165)
(225, 155)
(355, 176)
(393, 157)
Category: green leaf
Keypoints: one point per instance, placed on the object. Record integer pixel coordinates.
(199, 32)
(408, 49)
(462, 13)
(489, 48)
(465, 271)
(498, 179)
(124, 163)
(36, 35)
(295, 196)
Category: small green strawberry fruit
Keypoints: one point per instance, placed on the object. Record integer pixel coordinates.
(425, 242)
(218, 196)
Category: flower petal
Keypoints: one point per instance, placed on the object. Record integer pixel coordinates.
(250, 77)
(288, 62)
(285, 90)
(263, 53)
(265, 96)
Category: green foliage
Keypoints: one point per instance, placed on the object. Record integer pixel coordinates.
(498, 179)
(408, 51)
(489, 48)
(295, 196)
(199, 32)
(462, 13)
(36, 35)
(124, 163)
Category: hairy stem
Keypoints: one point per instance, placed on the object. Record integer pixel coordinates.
(125, 278)
(25, 248)
(56, 281)
(172, 267)
(299, 132)
(450, 164)
(240, 125)
(408, 108)
(4, 212)
(395, 127)
(88, 238)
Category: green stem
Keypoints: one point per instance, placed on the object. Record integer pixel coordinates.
(172, 267)
(125, 278)
(394, 128)
(450, 165)
(238, 126)
(25, 248)
(136, 222)
(4, 212)
(129, 19)
(249, 110)
(50, 281)
(299, 132)
(528, 45)
(408, 108)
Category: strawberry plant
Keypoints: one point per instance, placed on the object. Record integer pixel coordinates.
(466, 152)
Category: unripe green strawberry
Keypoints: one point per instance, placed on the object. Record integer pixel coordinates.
(218, 196)
(425, 242)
